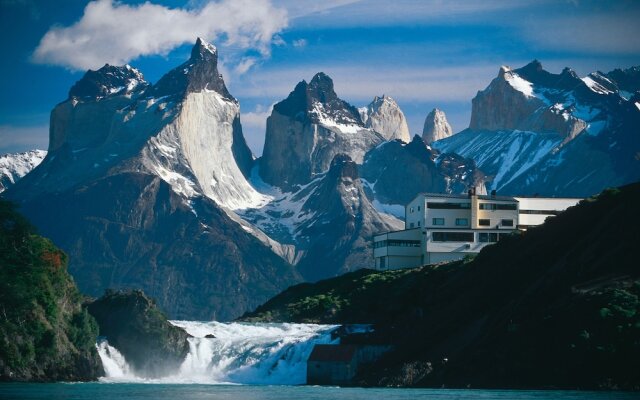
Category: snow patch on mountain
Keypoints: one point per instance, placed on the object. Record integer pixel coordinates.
(502, 155)
(325, 119)
(15, 166)
(517, 82)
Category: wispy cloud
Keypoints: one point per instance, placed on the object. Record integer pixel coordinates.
(116, 33)
(386, 13)
(591, 34)
(299, 43)
(361, 83)
(20, 138)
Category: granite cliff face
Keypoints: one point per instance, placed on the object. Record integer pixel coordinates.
(436, 127)
(308, 129)
(529, 99)
(384, 116)
(535, 132)
(139, 187)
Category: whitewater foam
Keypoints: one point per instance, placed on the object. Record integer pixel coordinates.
(240, 353)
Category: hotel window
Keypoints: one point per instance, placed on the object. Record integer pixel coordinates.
(507, 222)
(484, 222)
(449, 206)
(462, 222)
(493, 206)
(411, 225)
(452, 236)
(488, 237)
(418, 208)
(418, 223)
(438, 221)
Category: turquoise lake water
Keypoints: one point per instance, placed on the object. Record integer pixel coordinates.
(107, 391)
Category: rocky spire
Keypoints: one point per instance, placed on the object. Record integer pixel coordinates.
(436, 127)
(384, 116)
(198, 73)
(316, 99)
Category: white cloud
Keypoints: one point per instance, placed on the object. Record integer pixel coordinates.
(21, 138)
(116, 33)
(299, 43)
(245, 65)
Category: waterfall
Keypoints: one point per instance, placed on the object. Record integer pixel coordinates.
(113, 362)
(240, 353)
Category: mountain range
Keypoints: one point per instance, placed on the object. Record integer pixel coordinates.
(153, 186)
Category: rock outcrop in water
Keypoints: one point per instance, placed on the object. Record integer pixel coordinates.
(132, 323)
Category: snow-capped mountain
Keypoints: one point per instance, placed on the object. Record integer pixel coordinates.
(384, 116)
(308, 129)
(139, 185)
(14, 166)
(329, 221)
(436, 127)
(534, 132)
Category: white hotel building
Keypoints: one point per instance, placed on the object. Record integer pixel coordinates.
(442, 227)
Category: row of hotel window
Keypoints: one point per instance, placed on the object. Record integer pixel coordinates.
(483, 237)
(466, 206)
(465, 222)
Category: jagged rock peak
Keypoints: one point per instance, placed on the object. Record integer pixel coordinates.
(199, 73)
(342, 165)
(436, 127)
(108, 80)
(384, 116)
(316, 102)
(203, 50)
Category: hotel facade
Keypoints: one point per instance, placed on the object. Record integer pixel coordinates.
(442, 227)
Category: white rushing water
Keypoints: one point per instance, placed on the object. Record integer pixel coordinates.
(240, 353)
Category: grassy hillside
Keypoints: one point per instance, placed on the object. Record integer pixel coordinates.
(45, 334)
(556, 306)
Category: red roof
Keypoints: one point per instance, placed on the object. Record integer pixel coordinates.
(333, 352)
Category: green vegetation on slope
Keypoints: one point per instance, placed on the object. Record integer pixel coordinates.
(554, 307)
(45, 334)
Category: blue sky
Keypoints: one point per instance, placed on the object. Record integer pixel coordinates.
(425, 54)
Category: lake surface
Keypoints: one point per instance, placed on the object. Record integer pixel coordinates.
(140, 391)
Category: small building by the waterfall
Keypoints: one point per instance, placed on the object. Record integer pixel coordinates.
(331, 364)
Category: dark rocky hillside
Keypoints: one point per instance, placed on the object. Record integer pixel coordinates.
(45, 333)
(133, 323)
(555, 307)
